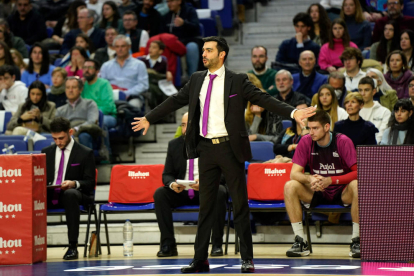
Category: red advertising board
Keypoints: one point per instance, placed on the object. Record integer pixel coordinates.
(135, 183)
(266, 181)
(22, 209)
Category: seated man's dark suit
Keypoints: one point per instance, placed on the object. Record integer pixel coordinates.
(166, 199)
(97, 37)
(79, 167)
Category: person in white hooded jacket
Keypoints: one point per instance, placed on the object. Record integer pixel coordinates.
(13, 93)
(373, 111)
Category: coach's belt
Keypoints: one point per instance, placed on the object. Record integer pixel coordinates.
(218, 140)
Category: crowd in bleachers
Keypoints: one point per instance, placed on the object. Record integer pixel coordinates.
(341, 47)
(129, 47)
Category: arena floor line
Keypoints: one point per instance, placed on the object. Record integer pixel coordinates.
(270, 259)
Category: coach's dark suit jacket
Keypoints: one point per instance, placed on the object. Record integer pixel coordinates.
(80, 167)
(237, 91)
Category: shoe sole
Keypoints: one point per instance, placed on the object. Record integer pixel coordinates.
(216, 254)
(250, 270)
(294, 254)
(354, 255)
(197, 271)
(169, 255)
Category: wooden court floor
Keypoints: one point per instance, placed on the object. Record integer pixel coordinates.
(269, 260)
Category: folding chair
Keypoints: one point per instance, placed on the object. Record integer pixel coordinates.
(89, 210)
(131, 190)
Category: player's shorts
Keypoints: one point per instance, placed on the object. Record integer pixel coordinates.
(328, 197)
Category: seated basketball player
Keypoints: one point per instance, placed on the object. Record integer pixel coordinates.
(333, 166)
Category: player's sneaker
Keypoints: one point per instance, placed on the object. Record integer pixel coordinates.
(299, 248)
(355, 248)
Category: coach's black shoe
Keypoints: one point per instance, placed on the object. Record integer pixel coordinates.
(355, 248)
(71, 254)
(299, 248)
(216, 251)
(167, 251)
(196, 266)
(247, 266)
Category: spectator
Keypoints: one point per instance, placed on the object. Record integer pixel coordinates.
(398, 73)
(53, 10)
(154, 60)
(149, 19)
(126, 73)
(7, 59)
(108, 52)
(322, 150)
(286, 144)
(68, 22)
(390, 41)
(84, 41)
(182, 21)
(39, 67)
(79, 112)
(173, 195)
(329, 57)
(321, 23)
(66, 159)
(332, 7)
(261, 124)
(328, 102)
(110, 16)
(11, 40)
(394, 13)
(27, 23)
(357, 129)
(401, 120)
(385, 94)
(352, 60)
(77, 59)
(100, 91)
(12, 92)
(373, 111)
(359, 29)
(308, 81)
(265, 75)
(126, 5)
(371, 13)
(173, 50)
(18, 60)
(337, 81)
(96, 6)
(6, 8)
(411, 89)
(35, 114)
(284, 83)
(290, 49)
(139, 38)
(57, 91)
(406, 44)
(85, 22)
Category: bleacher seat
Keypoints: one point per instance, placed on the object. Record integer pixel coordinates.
(12, 137)
(19, 145)
(262, 150)
(226, 13)
(6, 115)
(408, 8)
(41, 144)
(118, 95)
(29, 152)
(49, 31)
(286, 124)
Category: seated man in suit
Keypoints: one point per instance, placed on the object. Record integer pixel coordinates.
(71, 167)
(173, 195)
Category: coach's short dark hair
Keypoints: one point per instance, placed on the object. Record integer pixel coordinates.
(321, 116)
(221, 44)
(59, 124)
(367, 80)
(304, 18)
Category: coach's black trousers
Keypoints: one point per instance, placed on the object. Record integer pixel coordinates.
(216, 159)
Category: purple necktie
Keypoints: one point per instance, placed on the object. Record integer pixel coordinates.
(207, 104)
(59, 178)
(191, 177)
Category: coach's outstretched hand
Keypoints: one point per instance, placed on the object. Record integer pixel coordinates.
(142, 123)
(302, 114)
